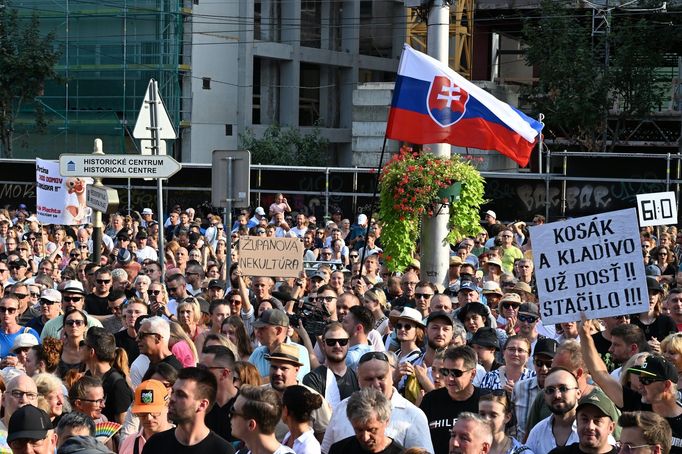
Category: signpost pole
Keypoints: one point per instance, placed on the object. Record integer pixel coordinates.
(154, 128)
(97, 215)
(228, 217)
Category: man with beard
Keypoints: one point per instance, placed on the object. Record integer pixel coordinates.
(284, 367)
(626, 341)
(439, 329)
(443, 406)
(526, 390)
(596, 419)
(561, 396)
(193, 395)
(335, 346)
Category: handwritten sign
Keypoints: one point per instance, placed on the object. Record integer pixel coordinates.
(274, 257)
(60, 200)
(657, 208)
(592, 264)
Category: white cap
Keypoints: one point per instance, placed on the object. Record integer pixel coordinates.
(24, 340)
(260, 211)
(147, 211)
(491, 213)
(362, 219)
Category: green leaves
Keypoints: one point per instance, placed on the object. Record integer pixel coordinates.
(409, 187)
(285, 146)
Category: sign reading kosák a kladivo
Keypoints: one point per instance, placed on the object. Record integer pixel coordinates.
(592, 264)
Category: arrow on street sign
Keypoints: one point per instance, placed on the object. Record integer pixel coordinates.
(117, 166)
(144, 121)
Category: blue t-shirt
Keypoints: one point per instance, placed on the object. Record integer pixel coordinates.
(7, 340)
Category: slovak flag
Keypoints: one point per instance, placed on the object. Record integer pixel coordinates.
(433, 104)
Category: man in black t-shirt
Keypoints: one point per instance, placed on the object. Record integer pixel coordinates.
(96, 303)
(442, 406)
(596, 418)
(193, 395)
(220, 361)
(369, 412)
(127, 338)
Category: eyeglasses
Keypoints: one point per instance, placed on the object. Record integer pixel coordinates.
(18, 394)
(517, 350)
(153, 292)
(142, 335)
(14, 266)
(72, 299)
(511, 306)
(260, 232)
(353, 256)
(47, 302)
(102, 281)
(69, 243)
(20, 296)
(542, 363)
(527, 318)
(234, 413)
(326, 299)
(99, 402)
(35, 294)
(551, 390)
(381, 356)
(425, 296)
(648, 380)
(445, 372)
(494, 392)
(627, 448)
(405, 326)
(147, 414)
(75, 322)
(332, 342)
(9, 310)
(3, 270)
(235, 301)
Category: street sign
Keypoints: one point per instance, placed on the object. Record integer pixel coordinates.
(101, 198)
(144, 122)
(117, 166)
(231, 176)
(657, 208)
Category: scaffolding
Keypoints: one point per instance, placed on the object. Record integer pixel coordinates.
(109, 51)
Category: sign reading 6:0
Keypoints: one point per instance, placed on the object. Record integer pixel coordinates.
(657, 208)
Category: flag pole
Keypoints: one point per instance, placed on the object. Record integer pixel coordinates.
(540, 143)
(371, 205)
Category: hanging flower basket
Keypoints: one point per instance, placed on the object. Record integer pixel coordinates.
(416, 184)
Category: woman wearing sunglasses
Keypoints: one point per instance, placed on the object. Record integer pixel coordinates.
(74, 329)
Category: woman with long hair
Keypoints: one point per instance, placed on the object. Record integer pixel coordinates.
(182, 346)
(375, 301)
(73, 331)
(655, 325)
(298, 404)
(497, 408)
(233, 327)
(246, 374)
(189, 317)
(50, 396)
(516, 351)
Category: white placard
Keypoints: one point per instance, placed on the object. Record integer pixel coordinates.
(60, 200)
(657, 208)
(592, 264)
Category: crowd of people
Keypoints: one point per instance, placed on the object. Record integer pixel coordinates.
(123, 356)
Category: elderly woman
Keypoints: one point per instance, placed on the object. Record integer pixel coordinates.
(50, 395)
(141, 285)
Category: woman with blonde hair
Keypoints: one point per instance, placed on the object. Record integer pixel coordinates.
(182, 346)
(233, 327)
(50, 395)
(375, 301)
(671, 349)
(189, 317)
(170, 249)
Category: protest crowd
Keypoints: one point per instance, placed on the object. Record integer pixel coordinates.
(347, 357)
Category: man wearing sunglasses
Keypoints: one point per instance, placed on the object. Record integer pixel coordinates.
(50, 301)
(334, 379)
(96, 303)
(73, 295)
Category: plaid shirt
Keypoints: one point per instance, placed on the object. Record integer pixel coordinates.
(523, 396)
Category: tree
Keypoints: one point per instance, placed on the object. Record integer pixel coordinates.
(285, 146)
(27, 61)
(576, 87)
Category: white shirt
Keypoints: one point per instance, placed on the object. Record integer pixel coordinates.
(137, 369)
(541, 438)
(145, 253)
(305, 444)
(408, 425)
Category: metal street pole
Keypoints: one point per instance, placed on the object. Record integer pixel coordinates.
(228, 217)
(156, 144)
(435, 257)
(97, 215)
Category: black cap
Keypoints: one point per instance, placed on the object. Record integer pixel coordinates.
(213, 283)
(440, 315)
(142, 234)
(485, 337)
(28, 422)
(657, 368)
(653, 285)
(19, 262)
(546, 347)
(122, 236)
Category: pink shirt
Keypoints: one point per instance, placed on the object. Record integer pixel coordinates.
(183, 352)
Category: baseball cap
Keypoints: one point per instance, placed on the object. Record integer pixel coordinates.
(656, 367)
(491, 213)
(485, 337)
(123, 256)
(492, 288)
(51, 294)
(467, 285)
(260, 211)
(652, 270)
(362, 219)
(73, 287)
(440, 315)
(28, 422)
(272, 317)
(455, 260)
(151, 396)
(123, 236)
(142, 234)
(545, 346)
(213, 283)
(24, 340)
(286, 353)
(529, 309)
(147, 211)
(599, 400)
(653, 285)
(320, 275)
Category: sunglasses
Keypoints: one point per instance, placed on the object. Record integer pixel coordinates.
(510, 306)
(75, 322)
(20, 296)
(153, 292)
(563, 389)
(44, 301)
(260, 232)
(102, 281)
(9, 310)
(425, 296)
(332, 342)
(542, 363)
(648, 380)
(381, 356)
(326, 299)
(445, 372)
(405, 326)
(527, 318)
(235, 301)
(71, 299)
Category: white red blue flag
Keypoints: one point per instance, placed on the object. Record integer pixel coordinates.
(434, 104)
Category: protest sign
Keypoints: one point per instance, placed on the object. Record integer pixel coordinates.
(592, 264)
(60, 200)
(274, 257)
(657, 208)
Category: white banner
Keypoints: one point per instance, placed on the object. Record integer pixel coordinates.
(592, 264)
(60, 200)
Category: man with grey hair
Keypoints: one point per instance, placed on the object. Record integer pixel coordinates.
(407, 424)
(471, 434)
(369, 412)
(152, 340)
